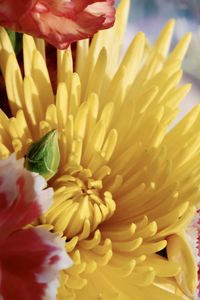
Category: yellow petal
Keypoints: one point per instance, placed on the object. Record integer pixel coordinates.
(179, 252)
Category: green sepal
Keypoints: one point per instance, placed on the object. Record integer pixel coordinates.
(43, 156)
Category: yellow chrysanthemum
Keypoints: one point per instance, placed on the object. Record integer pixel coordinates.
(125, 184)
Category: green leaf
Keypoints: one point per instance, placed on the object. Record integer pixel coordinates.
(12, 36)
(16, 40)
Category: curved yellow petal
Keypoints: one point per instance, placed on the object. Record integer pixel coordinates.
(179, 251)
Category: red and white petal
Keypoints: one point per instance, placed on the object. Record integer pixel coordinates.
(49, 266)
(108, 9)
(59, 22)
(53, 28)
(10, 171)
(57, 7)
(52, 265)
(31, 260)
(22, 195)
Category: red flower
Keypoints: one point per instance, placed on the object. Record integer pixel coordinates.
(60, 22)
(30, 258)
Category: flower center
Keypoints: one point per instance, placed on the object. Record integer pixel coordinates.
(88, 186)
(80, 204)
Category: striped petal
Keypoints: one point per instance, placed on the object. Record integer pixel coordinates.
(30, 263)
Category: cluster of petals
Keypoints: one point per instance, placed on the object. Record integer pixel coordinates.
(58, 22)
(30, 258)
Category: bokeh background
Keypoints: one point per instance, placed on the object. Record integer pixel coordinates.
(150, 16)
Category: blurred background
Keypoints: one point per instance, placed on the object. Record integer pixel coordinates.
(150, 16)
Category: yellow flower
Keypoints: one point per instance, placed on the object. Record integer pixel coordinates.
(126, 183)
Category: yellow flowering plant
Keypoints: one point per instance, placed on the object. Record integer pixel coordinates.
(126, 188)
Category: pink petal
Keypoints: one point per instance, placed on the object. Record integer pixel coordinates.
(108, 9)
(30, 262)
(10, 13)
(58, 22)
(22, 198)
